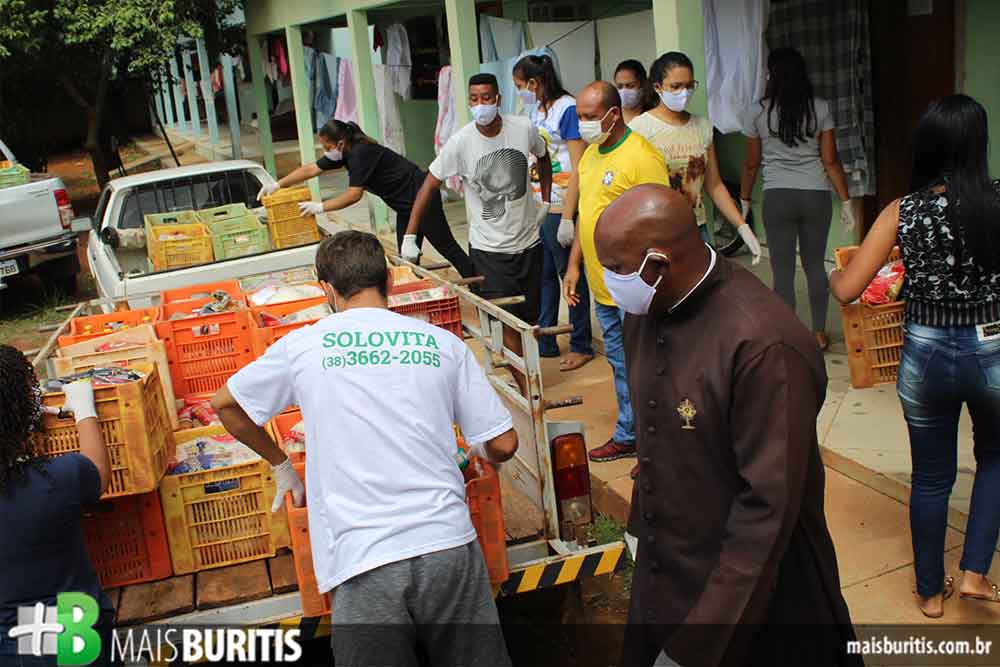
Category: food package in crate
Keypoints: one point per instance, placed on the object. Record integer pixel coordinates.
(886, 286)
(209, 452)
(197, 411)
(302, 274)
(272, 294)
(309, 314)
(219, 301)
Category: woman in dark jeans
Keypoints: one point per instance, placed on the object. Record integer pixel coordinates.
(42, 550)
(374, 168)
(948, 229)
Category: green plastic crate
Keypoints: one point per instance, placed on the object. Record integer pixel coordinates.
(241, 242)
(246, 222)
(15, 174)
(220, 213)
(172, 218)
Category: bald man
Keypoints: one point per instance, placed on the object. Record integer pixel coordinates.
(616, 160)
(728, 506)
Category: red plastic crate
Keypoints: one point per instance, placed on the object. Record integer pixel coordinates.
(314, 603)
(263, 337)
(482, 494)
(204, 351)
(79, 331)
(202, 291)
(127, 540)
(445, 312)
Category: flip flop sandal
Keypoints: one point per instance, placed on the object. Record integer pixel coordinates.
(946, 592)
(571, 363)
(994, 597)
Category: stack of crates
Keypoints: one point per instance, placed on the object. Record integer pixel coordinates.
(195, 248)
(125, 534)
(236, 232)
(12, 174)
(435, 304)
(289, 228)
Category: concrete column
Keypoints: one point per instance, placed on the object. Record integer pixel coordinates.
(192, 94)
(208, 94)
(229, 86)
(364, 82)
(463, 40)
(168, 103)
(157, 104)
(260, 98)
(182, 121)
(303, 103)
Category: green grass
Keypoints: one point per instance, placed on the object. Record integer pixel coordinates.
(20, 327)
(607, 529)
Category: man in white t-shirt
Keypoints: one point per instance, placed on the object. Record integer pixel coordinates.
(391, 533)
(491, 155)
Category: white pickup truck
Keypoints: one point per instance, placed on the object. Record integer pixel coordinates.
(38, 231)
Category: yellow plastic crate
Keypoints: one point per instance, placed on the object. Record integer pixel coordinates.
(294, 232)
(211, 526)
(174, 254)
(284, 204)
(171, 218)
(152, 352)
(136, 429)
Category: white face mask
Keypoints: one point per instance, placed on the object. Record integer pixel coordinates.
(334, 154)
(676, 101)
(528, 97)
(631, 292)
(484, 114)
(592, 131)
(630, 97)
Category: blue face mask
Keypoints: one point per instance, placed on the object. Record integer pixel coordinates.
(484, 114)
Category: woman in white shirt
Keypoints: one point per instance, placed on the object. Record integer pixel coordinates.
(686, 143)
(553, 112)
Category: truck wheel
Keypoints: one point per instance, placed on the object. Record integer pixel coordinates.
(62, 274)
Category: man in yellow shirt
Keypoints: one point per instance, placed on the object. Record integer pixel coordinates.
(616, 161)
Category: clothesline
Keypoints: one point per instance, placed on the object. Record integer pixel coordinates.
(583, 25)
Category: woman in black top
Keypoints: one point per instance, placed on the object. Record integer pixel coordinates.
(385, 173)
(948, 229)
(42, 550)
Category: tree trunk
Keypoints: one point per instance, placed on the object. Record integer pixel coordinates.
(95, 116)
(98, 156)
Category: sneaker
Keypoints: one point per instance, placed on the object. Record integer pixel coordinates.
(611, 451)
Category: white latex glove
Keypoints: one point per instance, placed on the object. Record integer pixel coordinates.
(310, 208)
(565, 233)
(285, 480)
(751, 240)
(847, 215)
(80, 400)
(745, 205)
(267, 189)
(409, 250)
(543, 210)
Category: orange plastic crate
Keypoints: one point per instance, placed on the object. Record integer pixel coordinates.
(445, 312)
(203, 291)
(314, 603)
(86, 328)
(127, 540)
(280, 427)
(263, 337)
(136, 429)
(204, 351)
(482, 494)
(210, 525)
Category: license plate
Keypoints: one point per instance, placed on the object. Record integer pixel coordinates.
(8, 267)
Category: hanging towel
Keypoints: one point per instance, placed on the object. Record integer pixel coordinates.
(398, 60)
(333, 77)
(577, 50)
(390, 122)
(325, 100)
(280, 55)
(347, 94)
(735, 59)
(833, 37)
(446, 120)
(500, 38)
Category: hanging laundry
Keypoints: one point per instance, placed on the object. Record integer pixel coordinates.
(324, 98)
(446, 120)
(503, 70)
(280, 55)
(377, 41)
(333, 77)
(398, 60)
(735, 59)
(576, 47)
(499, 38)
(347, 94)
(390, 122)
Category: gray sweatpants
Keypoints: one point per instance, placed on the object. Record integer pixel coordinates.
(436, 609)
(803, 216)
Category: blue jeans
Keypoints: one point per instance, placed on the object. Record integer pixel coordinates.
(556, 258)
(703, 233)
(610, 318)
(942, 369)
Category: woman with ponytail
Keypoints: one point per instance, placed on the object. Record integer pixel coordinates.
(374, 168)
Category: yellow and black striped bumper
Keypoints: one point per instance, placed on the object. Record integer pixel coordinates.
(564, 569)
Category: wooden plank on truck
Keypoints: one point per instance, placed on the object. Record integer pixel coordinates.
(282, 569)
(142, 603)
(232, 585)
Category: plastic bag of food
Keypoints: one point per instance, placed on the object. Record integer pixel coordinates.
(886, 286)
(295, 441)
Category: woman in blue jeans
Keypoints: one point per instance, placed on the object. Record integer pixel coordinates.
(951, 340)
(553, 111)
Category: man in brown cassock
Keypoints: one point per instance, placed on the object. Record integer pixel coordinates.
(734, 564)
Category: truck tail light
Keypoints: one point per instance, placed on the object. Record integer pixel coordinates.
(572, 482)
(65, 207)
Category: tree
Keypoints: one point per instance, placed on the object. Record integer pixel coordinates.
(90, 42)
